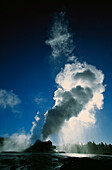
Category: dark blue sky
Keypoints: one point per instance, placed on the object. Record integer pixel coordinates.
(25, 65)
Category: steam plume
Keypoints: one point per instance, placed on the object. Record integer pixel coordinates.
(34, 130)
(16, 142)
(60, 39)
(80, 88)
(79, 85)
(20, 141)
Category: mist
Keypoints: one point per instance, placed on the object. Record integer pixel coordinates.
(17, 142)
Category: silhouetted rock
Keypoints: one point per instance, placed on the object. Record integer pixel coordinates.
(1, 141)
(40, 146)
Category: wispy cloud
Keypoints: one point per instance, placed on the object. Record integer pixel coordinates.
(8, 99)
(40, 100)
(60, 39)
(72, 58)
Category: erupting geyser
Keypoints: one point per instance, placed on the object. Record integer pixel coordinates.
(78, 95)
(80, 88)
(80, 85)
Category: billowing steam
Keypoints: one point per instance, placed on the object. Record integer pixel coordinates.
(17, 142)
(80, 88)
(80, 85)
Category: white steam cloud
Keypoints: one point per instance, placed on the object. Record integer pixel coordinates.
(79, 89)
(85, 76)
(60, 39)
(17, 142)
(79, 92)
(34, 130)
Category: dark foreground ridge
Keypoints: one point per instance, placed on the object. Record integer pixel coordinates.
(42, 155)
(40, 146)
(85, 163)
(52, 161)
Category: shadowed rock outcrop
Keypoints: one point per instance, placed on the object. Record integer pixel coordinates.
(40, 146)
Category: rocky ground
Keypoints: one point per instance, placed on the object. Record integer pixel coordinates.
(42, 156)
(50, 161)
